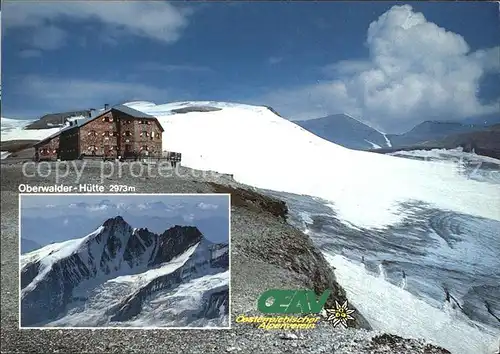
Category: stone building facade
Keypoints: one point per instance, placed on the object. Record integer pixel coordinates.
(116, 132)
(50, 149)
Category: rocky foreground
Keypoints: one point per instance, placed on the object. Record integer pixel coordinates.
(267, 252)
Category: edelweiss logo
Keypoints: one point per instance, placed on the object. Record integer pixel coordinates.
(339, 315)
(302, 309)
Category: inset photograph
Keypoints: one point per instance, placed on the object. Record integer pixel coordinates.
(124, 260)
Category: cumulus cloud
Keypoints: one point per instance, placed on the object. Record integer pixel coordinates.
(148, 19)
(415, 71)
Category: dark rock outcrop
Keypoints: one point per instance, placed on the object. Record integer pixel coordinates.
(216, 300)
(253, 200)
(195, 109)
(55, 119)
(174, 241)
(29, 273)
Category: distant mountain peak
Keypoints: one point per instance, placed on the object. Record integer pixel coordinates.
(434, 130)
(115, 221)
(345, 130)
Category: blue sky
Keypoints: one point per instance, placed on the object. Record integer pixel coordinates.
(63, 200)
(389, 64)
(74, 216)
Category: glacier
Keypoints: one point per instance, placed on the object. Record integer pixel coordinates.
(365, 191)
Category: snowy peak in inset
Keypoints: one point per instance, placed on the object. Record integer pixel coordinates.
(52, 275)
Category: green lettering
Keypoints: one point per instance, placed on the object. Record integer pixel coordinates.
(281, 300)
(317, 306)
(299, 303)
(291, 301)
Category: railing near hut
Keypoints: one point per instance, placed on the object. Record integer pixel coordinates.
(170, 156)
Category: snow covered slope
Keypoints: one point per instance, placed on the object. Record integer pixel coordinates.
(264, 150)
(120, 276)
(392, 309)
(9, 123)
(14, 129)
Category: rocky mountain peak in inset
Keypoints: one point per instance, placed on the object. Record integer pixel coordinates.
(114, 249)
(114, 222)
(173, 240)
(113, 235)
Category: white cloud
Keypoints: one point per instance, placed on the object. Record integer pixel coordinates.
(206, 206)
(416, 70)
(149, 19)
(488, 59)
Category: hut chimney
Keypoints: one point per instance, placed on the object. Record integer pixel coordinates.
(91, 112)
(106, 106)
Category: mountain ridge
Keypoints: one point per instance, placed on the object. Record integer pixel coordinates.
(350, 132)
(345, 130)
(485, 142)
(432, 130)
(113, 250)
